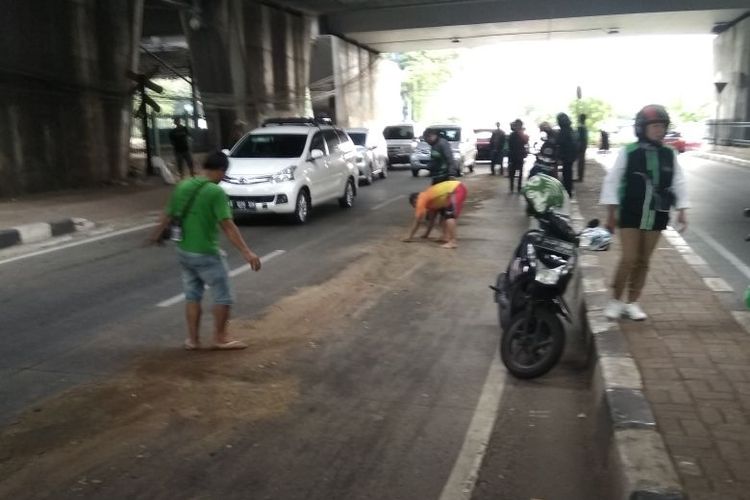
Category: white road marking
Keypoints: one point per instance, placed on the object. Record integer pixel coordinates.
(78, 243)
(463, 477)
(388, 202)
(729, 256)
(234, 272)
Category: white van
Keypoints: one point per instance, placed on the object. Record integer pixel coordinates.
(290, 168)
(402, 141)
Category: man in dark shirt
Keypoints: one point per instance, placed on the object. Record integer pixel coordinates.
(497, 145)
(583, 142)
(517, 144)
(442, 163)
(179, 136)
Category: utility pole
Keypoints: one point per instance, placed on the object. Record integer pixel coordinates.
(143, 82)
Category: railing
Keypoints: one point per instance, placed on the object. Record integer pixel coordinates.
(726, 133)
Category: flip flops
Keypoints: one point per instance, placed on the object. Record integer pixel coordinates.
(231, 345)
(189, 345)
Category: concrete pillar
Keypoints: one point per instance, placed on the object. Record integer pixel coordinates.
(250, 61)
(732, 65)
(65, 106)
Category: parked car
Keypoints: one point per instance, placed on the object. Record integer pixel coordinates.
(373, 154)
(675, 140)
(461, 140)
(401, 141)
(289, 166)
(483, 136)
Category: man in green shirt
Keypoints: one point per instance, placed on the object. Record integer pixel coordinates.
(201, 207)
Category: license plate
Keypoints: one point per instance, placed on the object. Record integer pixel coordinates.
(557, 246)
(243, 205)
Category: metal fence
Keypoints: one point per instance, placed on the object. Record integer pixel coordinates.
(728, 133)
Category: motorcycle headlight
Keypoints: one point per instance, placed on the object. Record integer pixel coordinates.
(285, 175)
(547, 276)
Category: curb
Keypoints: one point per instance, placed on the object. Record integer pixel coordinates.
(642, 468)
(40, 231)
(722, 158)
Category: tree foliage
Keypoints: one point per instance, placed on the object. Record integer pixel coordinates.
(425, 72)
(596, 110)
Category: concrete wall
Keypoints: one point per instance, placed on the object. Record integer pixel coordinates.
(64, 105)
(250, 61)
(732, 65)
(354, 86)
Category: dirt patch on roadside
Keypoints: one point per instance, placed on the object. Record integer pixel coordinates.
(169, 397)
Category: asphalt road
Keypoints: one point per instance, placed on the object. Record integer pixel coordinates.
(372, 366)
(719, 192)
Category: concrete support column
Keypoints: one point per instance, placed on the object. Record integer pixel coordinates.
(65, 105)
(732, 65)
(250, 61)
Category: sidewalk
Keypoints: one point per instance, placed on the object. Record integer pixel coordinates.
(694, 361)
(53, 214)
(729, 154)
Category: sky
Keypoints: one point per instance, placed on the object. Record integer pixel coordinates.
(497, 82)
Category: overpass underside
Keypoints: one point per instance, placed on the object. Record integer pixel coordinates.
(66, 105)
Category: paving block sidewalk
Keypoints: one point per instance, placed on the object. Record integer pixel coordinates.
(694, 358)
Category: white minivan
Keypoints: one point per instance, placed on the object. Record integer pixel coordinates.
(290, 167)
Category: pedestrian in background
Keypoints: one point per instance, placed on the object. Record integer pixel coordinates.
(603, 141)
(583, 142)
(567, 151)
(517, 149)
(442, 164)
(644, 183)
(199, 207)
(497, 145)
(179, 137)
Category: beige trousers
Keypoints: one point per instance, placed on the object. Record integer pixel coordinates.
(637, 247)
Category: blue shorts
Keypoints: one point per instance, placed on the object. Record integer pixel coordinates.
(201, 270)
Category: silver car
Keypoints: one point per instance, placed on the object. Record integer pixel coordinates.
(372, 158)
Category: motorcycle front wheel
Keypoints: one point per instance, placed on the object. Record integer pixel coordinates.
(531, 348)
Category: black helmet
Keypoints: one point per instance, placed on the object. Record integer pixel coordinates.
(653, 113)
(563, 120)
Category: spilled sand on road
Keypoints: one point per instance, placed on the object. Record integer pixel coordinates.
(168, 398)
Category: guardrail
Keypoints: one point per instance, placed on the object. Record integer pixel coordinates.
(727, 133)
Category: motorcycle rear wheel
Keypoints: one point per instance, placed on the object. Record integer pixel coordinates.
(531, 350)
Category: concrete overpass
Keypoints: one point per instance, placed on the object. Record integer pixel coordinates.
(66, 104)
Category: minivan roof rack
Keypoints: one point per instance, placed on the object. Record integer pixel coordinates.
(296, 120)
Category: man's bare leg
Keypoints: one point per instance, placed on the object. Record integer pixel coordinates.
(450, 234)
(193, 316)
(221, 336)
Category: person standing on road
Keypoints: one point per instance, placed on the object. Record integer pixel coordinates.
(583, 142)
(179, 136)
(567, 150)
(442, 164)
(547, 159)
(644, 183)
(497, 145)
(201, 207)
(517, 150)
(445, 199)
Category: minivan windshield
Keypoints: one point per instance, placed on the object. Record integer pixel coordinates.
(358, 138)
(399, 132)
(271, 146)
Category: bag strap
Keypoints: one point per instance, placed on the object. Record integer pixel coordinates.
(190, 201)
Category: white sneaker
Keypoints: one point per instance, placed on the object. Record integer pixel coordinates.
(634, 312)
(614, 309)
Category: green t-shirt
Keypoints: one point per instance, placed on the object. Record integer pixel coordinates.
(200, 226)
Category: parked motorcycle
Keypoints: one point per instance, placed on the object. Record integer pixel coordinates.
(529, 294)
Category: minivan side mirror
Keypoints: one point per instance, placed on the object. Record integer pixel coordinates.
(316, 154)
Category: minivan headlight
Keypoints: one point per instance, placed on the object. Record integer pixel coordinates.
(285, 175)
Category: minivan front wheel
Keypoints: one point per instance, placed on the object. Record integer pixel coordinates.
(301, 208)
(347, 201)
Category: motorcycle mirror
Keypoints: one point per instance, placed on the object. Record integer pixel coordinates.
(593, 223)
